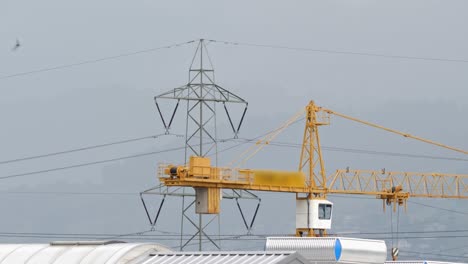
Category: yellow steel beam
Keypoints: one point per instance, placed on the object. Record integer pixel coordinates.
(384, 185)
(235, 185)
(415, 184)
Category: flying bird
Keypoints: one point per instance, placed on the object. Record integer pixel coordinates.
(17, 45)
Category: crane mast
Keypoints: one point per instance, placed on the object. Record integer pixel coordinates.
(310, 182)
(311, 153)
(311, 162)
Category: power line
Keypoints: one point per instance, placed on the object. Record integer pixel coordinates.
(409, 201)
(130, 234)
(340, 52)
(69, 193)
(107, 160)
(63, 66)
(91, 163)
(403, 232)
(110, 144)
(129, 238)
(103, 161)
(232, 43)
(450, 249)
(141, 236)
(80, 149)
(439, 208)
(433, 254)
(421, 237)
(177, 238)
(175, 234)
(99, 162)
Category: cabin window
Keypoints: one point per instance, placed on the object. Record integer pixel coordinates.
(325, 211)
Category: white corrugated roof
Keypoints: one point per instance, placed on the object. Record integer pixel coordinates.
(83, 253)
(227, 258)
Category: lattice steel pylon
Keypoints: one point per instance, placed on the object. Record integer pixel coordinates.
(201, 95)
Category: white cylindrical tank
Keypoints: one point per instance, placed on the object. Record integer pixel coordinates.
(332, 249)
(109, 252)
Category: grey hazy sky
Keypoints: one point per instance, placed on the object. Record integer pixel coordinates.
(112, 100)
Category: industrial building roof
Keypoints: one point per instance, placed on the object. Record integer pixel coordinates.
(228, 257)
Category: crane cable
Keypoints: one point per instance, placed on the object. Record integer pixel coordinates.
(395, 131)
(391, 227)
(396, 250)
(398, 227)
(395, 235)
(265, 140)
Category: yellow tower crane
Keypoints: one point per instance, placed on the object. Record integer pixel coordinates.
(310, 182)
